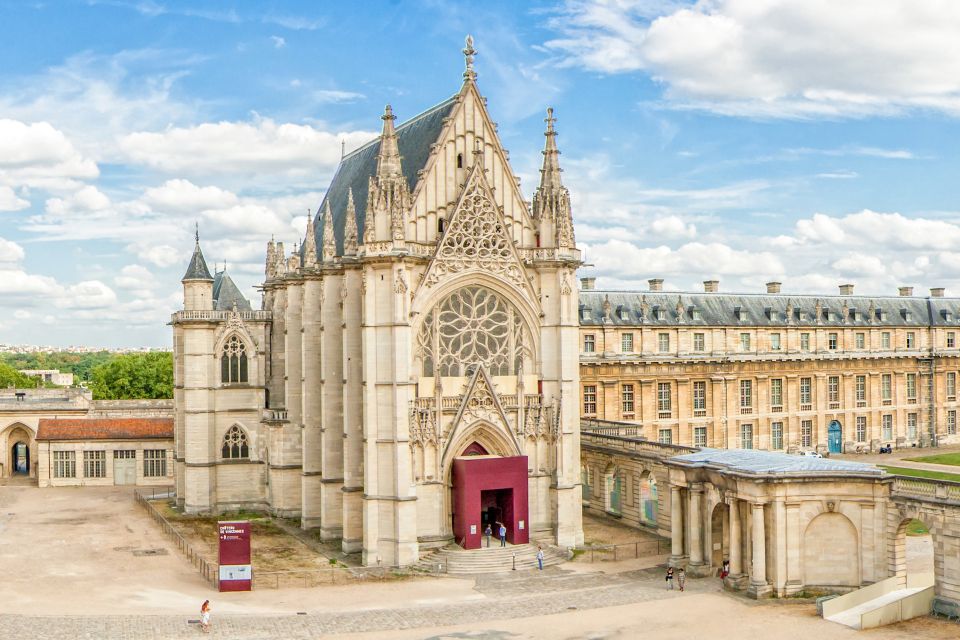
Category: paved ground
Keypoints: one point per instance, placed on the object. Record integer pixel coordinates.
(69, 572)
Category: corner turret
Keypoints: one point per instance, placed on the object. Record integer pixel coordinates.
(197, 281)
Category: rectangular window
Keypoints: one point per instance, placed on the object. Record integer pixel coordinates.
(806, 433)
(746, 436)
(805, 342)
(64, 464)
(833, 392)
(951, 340)
(775, 342)
(861, 391)
(699, 343)
(912, 426)
(861, 428)
(699, 436)
(699, 398)
(912, 388)
(806, 394)
(886, 388)
(746, 396)
(744, 342)
(626, 398)
(154, 463)
(887, 424)
(911, 340)
(94, 464)
(952, 422)
(589, 343)
(776, 435)
(664, 404)
(776, 395)
(861, 340)
(885, 340)
(951, 386)
(590, 400)
(832, 342)
(663, 342)
(665, 436)
(626, 343)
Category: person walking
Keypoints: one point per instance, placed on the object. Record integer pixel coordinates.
(503, 534)
(487, 533)
(669, 578)
(205, 616)
(540, 557)
(681, 578)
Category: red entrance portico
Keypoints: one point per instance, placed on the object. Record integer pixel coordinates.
(489, 489)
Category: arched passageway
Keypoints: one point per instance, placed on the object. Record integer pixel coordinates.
(831, 554)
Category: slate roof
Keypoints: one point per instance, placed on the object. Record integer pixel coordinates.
(197, 269)
(414, 138)
(226, 293)
(725, 309)
(768, 462)
(105, 429)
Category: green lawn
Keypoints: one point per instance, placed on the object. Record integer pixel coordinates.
(943, 458)
(917, 528)
(921, 473)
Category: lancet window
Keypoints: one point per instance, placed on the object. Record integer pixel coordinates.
(233, 361)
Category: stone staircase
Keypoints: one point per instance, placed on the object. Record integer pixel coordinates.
(496, 559)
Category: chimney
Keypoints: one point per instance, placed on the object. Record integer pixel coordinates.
(936, 292)
(587, 284)
(846, 289)
(656, 284)
(905, 292)
(711, 286)
(772, 287)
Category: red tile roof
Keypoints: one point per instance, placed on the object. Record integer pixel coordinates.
(105, 429)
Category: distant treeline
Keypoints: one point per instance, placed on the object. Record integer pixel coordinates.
(110, 376)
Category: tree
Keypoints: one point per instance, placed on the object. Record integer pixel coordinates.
(134, 376)
(10, 377)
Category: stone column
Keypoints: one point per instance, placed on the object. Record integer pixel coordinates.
(696, 526)
(758, 573)
(676, 526)
(736, 544)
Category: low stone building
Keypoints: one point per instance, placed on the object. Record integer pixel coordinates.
(105, 451)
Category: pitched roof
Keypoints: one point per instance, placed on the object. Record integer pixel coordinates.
(105, 429)
(197, 269)
(752, 461)
(226, 293)
(723, 309)
(414, 138)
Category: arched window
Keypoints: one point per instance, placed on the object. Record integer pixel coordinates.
(459, 161)
(233, 361)
(235, 444)
(441, 225)
(473, 326)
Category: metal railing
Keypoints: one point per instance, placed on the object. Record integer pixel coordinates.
(210, 571)
(624, 551)
(305, 578)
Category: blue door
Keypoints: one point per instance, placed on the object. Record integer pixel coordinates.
(835, 437)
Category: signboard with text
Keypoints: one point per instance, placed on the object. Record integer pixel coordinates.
(236, 572)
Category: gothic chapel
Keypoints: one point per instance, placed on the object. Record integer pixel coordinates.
(413, 373)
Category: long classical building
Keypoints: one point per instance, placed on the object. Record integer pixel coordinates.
(772, 371)
(412, 374)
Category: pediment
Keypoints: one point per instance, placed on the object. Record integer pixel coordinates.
(480, 403)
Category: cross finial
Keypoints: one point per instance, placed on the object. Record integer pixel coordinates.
(469, 53)
(343, 148)
(196, 231)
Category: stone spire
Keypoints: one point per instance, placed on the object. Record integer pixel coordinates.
(197, 269)
(310, 244)
(551, 202)
(469, 53)
(389, 196)
(280, 261)
(388, 158)
(329, 242)
(350, 226)
(269, 269)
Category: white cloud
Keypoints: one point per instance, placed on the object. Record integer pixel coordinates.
(325, 96)
(278, 42)
(89, 294)
(184, 196)
(10, 252)
(22, 314)
(779, 58)
(40, 155)
(85, 200)
(135, 277)
(879, 231)
(10, 201)
(673, 227)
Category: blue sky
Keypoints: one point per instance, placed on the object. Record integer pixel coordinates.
(810, 142)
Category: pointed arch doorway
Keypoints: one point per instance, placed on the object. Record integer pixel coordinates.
(489, 489)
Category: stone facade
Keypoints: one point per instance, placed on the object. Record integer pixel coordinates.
(429, 313)
(774, 371)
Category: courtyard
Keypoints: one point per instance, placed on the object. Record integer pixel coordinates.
(100, 567)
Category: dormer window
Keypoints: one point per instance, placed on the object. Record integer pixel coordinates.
(882, 315)
(831, 316)
(659, 313)
(802, 315)
(855, 315)
(585, 313)
(773, 314)
(623, 313)
(695, 313)
(740, 313)
(947, 315)
(907, 315)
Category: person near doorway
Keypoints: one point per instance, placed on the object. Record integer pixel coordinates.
(669, 578)
(487, 533)
(540, 557)
(725, 569)
(205, 616)
(503, 534)
(681, 578)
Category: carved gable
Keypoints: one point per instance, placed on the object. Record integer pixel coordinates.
(477, 239)
(481, 404)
